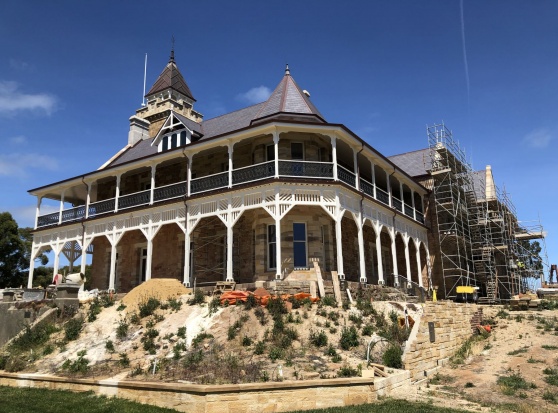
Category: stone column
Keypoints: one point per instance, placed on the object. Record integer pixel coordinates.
(149, 258)
(229, 250)
(279, 269)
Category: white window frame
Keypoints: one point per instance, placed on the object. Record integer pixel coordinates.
(268, 245)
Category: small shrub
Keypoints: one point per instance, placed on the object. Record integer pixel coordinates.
(336, 359)
(214, 305)
(392, 356)
(122, 329)
(549, 347)
(198, 298)
(148, 340)
(135, 318)
(368, 330)
(48, 349)
(124, 360)
(109, 346)
(94, 309)
(330, 351)
(174, 304)
(469, 385)
(518, 351)
(181, 332)
(357, 319)
(503, 314)
(318, 339)
(510, 384)
(347, 371)
(250, 302)
(72, 328)
(121, 307)
(550, 396)
(328, 301)
(259, 348)
(80, 365)
(199, 338)
(260, 315)
(148, 307)
(276, 307)
(276, 353)
(246, 341)
(349, 338)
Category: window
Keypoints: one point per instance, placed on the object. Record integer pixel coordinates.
(271, 248)
(165, 143)
(173, 140)
(297, 151)
(183, 138)
(299, 246)
(143, 264)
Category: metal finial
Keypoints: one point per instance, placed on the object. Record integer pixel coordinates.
(172, 50)
(287, 71)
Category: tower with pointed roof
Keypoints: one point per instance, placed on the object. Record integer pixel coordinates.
(170, 92)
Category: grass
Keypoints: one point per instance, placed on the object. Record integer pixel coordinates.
(28, 400)
(387, 406)
(510, 384)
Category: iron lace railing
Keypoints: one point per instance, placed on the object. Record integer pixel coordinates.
(346, 176)
(209, 182)
(101, 207)
(48, 219)
(73, 214)
(253, 173)
(135, 199)
(306, 169)
(171, 191)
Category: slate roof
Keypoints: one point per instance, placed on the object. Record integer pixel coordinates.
(171, 78)
(288, 98)
(413, 163)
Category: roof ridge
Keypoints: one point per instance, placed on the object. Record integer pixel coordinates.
(228, 113)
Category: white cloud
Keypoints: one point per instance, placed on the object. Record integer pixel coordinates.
(539, 138)
(255, 95)
(16, 164)
(25, 215)
(19, 64)
(18, 140)
(12, 100)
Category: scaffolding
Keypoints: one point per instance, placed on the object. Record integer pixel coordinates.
(480, 241)
(453, 189)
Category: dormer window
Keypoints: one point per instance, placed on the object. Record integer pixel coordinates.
(173, 134)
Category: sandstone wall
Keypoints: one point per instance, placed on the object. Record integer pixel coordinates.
(240, 398)
(453, 325)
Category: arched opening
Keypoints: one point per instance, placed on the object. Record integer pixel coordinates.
(370, 255)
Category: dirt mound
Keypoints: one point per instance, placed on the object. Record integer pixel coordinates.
(160, 288)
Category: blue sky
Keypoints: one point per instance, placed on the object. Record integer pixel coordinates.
(71, 74)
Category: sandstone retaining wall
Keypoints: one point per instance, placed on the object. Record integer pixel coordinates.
(453, 324)
(239, 398)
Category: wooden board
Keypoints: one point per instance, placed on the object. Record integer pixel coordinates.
(319, 278)
(336, 288)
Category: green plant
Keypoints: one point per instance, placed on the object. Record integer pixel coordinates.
(198, 298)
(72, 328)
(196, 341)
(357, 319)
(276, 353)
(328, 301)
(260, 315)
(79, 365)
(549, 347)
(550, 396)
(148, 307)
(510, 384)
(276, 307)
(122, 329)
(347, 371)
(94, 309)
(174, 304)
(330, 351)
(336, 359)
(250, 302)
(368, 330)
(318, 339)
(124, 360)
(392, 356)
(148, 340)
(214, 305)
(246, 341)
(259, 348)
(349, 338)
(181, 332)
(503, 314)
(519, 351)
(469, 384)
(109, 346)
(121, 307)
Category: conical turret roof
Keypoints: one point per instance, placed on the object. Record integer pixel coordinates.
(171, 78)
(288, 98)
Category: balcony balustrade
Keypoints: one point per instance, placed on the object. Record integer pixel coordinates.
(135, 199)
(209, 182)
(171, 191)
(253, 173)
(397, 204)
(346, 176)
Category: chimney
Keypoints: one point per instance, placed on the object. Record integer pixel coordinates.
(139, 129)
